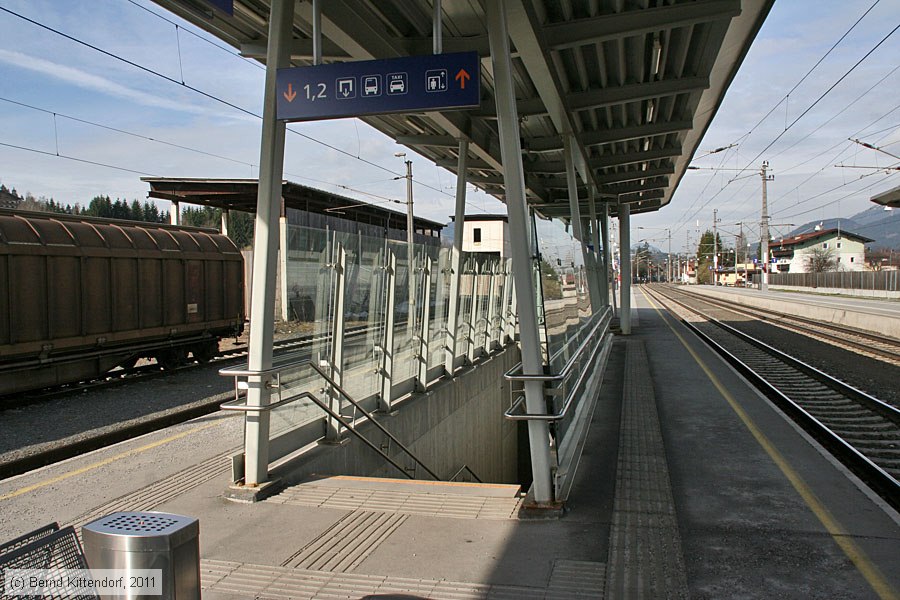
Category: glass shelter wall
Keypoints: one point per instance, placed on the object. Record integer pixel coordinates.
(341, 285)
(368, 324)
(567, 310)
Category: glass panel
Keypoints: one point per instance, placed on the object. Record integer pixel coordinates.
(567, 306)
(404, 330)
(293, 414)
(440, 278)
(309, 309)
(362, 319)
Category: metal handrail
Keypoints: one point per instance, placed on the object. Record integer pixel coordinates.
(233, 405)
(561, 414)
(570, 364)
(465, 468)
(349, 427)
(236, 405)
(371, 418)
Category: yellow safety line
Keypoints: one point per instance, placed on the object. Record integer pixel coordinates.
(840, 535)
(104, 462)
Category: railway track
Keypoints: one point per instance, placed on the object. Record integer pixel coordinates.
(860, 430)
(9, 468)
(863, 342)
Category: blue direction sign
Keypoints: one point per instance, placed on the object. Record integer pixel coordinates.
(372, 87)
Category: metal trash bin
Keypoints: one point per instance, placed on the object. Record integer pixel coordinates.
(148, 540)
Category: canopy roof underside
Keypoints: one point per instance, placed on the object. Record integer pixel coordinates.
(636, 81)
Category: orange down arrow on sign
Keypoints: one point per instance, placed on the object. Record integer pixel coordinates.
(290, 94)
(461, 78)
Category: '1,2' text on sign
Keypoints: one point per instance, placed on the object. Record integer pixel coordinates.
(353, 89)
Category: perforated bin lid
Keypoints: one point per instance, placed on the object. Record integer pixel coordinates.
(140, 531)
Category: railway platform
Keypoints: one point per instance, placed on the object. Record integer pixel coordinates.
(691, 484)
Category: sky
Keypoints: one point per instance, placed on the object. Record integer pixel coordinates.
(84, 104)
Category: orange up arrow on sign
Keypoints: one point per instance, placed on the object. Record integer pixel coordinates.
(461, 78)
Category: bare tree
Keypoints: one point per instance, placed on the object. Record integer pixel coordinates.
(820, 260)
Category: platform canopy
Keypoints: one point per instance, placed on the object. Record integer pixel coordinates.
(636, 81)
(890, 198)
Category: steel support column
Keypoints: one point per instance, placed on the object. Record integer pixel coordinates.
(608, 274)
(506, 330)
(474, 314)
(600, 251)
(424, 327)
(490, 327)
(625, 267)
(336, 366)
(513, 311)
(175, 213)
(265, 247)
(575, 215)
(520, 246)
(456, 260)
(283, 268)
(387, 339)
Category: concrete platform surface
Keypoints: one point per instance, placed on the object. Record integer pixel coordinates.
(690, 485)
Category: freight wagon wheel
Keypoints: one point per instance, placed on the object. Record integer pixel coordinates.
(171, 358)
(205, 352)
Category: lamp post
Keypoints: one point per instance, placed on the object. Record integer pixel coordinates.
(410, 248)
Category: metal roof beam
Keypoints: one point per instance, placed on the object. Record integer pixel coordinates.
(559, 183)
(609, 136)
(346, 24)
(300, 50)
(609, 96)
(613, 96)
(606, 161)
(432, 141)
(533, 52)
(624, 134)
(478, 43)
(595, 30)
(637, 175)
(634, 193)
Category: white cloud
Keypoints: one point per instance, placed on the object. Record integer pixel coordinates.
(93, 82)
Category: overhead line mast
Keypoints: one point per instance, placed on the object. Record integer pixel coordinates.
(764, 230)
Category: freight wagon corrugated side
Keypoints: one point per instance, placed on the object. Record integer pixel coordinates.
(81, 296)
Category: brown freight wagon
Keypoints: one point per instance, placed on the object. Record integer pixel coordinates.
(80, 296)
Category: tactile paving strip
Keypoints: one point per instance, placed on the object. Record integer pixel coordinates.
(435, 505)
(276, 583)
(347, 543)
(645, 555)
(151, 496)
(577, 579)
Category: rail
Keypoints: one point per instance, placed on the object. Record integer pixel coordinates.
(590, 340)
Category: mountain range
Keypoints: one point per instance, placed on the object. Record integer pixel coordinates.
(880, 225)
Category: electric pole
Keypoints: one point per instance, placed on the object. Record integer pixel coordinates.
(669, 258)
(715, 248)
(764, 231)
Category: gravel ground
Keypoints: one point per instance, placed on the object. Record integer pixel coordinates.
(870, 375)
(36, 428)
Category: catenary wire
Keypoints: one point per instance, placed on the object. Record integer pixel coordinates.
(213, 97)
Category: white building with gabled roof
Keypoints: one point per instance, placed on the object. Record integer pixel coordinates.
(792, 254)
